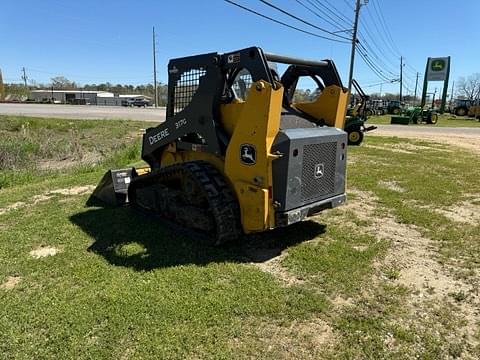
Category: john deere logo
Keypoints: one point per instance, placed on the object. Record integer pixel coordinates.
(438, 65)
(319, 170)
(248, 154)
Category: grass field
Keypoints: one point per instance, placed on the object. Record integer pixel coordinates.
(393, 274)
(444, 120)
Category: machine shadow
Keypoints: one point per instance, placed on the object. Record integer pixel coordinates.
(128, 238)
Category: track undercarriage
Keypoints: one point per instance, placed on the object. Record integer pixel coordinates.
(192, 194)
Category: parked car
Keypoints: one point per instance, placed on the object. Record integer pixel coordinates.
(135, 102)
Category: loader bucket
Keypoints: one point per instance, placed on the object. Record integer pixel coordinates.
(402, 120)
(113, 188)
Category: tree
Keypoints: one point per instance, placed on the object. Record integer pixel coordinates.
(469, 88)
(62, 83)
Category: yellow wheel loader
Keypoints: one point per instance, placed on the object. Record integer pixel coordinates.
(236, 154)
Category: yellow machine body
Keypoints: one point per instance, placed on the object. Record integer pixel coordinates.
(257, 121)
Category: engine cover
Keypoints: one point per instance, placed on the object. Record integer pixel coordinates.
(312, 168)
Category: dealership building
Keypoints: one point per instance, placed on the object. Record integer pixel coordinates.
(80, 97)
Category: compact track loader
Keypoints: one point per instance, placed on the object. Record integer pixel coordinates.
(235, 153)
(357, 117)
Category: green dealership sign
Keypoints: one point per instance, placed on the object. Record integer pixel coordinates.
(438, 65)
(437, 69)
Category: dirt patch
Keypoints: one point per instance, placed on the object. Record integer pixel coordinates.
(89, 158)
(36, 199)
(469, 142)
(40, 198)
(388, 148)
(413, 260)
(467, 212)
(44, 251)
(340, 302)
(274, 267)
(411, 253)
(413, 147)
(10, 282)
(300, 340)
(392, 185)
(76, 190)
(14, 206)
(56, 164)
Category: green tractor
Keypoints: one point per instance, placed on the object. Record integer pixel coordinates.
(416, 115)
(356, 118)
(394, 107)
(462, 107)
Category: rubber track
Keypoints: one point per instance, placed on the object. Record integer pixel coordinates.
(223, 204)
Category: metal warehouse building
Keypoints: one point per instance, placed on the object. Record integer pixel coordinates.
(80, 97)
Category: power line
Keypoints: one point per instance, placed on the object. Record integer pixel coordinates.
(383, 64)
(349, 5)
(336, 25)
(282, 23)
(372, 65)
(378, 9)
(372, 39)
(301, 20)
(337, 11)
(342, 18)
(381, 34)
(332, 20)
(380, 83)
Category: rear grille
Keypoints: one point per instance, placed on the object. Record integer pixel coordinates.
(318, 170)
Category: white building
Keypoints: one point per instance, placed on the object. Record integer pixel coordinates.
(81, 97)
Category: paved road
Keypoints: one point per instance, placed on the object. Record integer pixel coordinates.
(84, 111)
(464, 137)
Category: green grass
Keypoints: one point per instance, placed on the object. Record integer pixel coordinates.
(433, 178)
(444, 120)
(125, 286)
(36, 148)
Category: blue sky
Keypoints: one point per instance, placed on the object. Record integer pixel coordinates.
(93, 41)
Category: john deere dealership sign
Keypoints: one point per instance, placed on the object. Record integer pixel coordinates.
(437, 69)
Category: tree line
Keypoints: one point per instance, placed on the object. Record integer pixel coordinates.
(465, 88)
(62, 83)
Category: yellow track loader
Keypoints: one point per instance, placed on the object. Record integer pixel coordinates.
(236, 154)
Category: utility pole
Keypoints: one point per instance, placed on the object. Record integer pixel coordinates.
(401, 77)
(416, 87)
(24, 77)
(2, 87)
(451, 94)
(155, 68)
(354, 44)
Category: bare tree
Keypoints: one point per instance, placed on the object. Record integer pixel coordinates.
(62, 83)
(469, 88)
